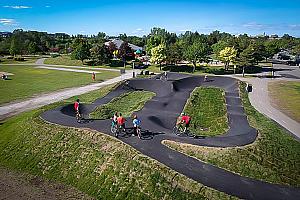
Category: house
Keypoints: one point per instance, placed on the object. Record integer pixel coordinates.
(119, 42)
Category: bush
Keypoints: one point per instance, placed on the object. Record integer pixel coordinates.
(54, 55)
(116, 63)
(218, 71)
(19, 59)
(10, 57)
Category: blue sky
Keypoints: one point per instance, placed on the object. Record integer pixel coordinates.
(137, 17)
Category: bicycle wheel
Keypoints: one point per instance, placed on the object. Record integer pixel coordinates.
(176, 131)
(139, 133)
(113, 129)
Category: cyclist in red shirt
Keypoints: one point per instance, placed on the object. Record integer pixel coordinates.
(77, 112)
(185, 121)
(121, 121)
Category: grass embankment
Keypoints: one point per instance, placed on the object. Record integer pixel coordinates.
(63, 60)
(274, 156)
(285, 96)
(126, 104)
(66, 60)
(27, 60)
(28, 81)
(207, 108)
(99, 165)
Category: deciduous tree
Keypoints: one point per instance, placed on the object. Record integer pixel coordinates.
(227, 56)
(158, 55)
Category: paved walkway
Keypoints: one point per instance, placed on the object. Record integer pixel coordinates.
(66, 69)
(260, 99)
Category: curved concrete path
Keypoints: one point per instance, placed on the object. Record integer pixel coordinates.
(158, 117)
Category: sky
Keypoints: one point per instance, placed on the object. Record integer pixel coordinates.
(137, 17)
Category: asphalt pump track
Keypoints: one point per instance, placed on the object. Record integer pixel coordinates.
(158, 118)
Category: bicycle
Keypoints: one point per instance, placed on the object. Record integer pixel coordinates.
(114, 128)
(78, 117)
(181, 130)
(119, 129)
(139, 132)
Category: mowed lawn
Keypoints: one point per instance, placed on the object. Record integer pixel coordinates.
(63, 60)
(28, 81)
(285, 95)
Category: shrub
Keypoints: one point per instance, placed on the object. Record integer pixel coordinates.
(19, 59)
(116, 63)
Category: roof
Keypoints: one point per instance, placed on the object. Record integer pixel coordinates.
(119, 42)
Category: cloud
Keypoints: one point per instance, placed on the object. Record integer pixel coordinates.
(47, 6)
(254, 25)
(138, 31)
(9, 22)
(17, 7)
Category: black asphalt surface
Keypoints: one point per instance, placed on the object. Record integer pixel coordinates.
(158, 119)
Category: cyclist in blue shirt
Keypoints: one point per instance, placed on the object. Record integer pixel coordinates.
(136, 125)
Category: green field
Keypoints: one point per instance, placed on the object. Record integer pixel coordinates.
(97, 164)
(66, 60)
(126, 104)
(28, 60)
(207, 109)
(285, 95)
(63, 60)
(28, 81)
(274, 156)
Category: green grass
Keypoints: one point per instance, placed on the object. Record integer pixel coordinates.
(126, 104)
(97, 164)
(28, 60)
(66, 60)
(28, 81)
(207, 108)
(285, 96)
(274, 156)
(63, 60)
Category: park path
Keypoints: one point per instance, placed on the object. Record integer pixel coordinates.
(260, 100)
(12, 109)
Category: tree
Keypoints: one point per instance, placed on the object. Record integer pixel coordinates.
(158, 55)
(271, 48)
(296, 50)
(32, 48)
(198, 52)
(227, 56)
(100, 54)
(174, 53)
(112, 47)
(219, 46)
(259, 52)
(124, 51)
(246, 58)
(14, 47)
(82, 51)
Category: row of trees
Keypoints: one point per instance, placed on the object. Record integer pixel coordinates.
(243, 51)
(161, 45)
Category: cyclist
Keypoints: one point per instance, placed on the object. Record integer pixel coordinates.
(136, 126)
(183, 122)
(186, 121)
(77, 112)
(114, 125)
(121, 121)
